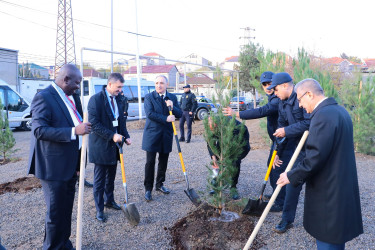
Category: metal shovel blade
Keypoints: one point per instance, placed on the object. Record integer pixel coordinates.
(131, 213)
(255, 207)
(193, 196)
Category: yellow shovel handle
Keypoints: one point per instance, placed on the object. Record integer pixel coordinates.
(179, 153)
(174, 127)
(270, 165)
(122, 168)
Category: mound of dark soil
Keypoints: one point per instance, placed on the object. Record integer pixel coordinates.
(198, 231)
(20, 185)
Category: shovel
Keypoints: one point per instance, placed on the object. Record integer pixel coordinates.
(190, 192)
(129, 209)
(256, 207)
(276, 192)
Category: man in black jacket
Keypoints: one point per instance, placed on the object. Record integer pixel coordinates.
(125, 104)
(108, 127)
(332, 204)
(293, 121)
(188, 104)
(237, 164)
(271, 111)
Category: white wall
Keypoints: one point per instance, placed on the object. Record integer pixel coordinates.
(9, 66)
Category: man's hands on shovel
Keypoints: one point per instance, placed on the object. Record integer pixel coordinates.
(283, 180)
(83, 128)
(118, 138)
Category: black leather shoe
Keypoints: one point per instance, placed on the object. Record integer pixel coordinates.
(282, 227)
(113, 205)
(148, 196)
(182, 139)
(88, 184)
(100, 217)
(163, 189)
(188, 141)
(276, 208)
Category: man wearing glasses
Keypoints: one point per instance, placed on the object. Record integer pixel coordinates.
(332, 209)
(270, 110)
(292, 122)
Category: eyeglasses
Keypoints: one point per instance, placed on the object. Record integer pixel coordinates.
(299, 99)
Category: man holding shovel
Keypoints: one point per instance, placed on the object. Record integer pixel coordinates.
(108, 127)
(293, 121)
(332, 211)
(158, 134)
(55, 150)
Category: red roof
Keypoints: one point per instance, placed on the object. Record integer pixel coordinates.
(232, 59)
(333, 60)
(152, 54)
(370, 62)
(151, 69)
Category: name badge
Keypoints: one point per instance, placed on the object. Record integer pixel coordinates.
(115, 123)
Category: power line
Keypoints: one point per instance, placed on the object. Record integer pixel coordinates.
(107, 27)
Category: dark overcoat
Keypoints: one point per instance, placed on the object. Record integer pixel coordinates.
(158, 133)
(332, 206)
(102, 148)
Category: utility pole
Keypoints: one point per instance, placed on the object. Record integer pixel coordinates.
(247, 36)
(65, 47)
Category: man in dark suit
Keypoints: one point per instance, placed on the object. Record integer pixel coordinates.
(332, 204)
(158, 133)
(54, 152)
(108, 127)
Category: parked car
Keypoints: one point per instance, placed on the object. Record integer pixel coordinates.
(15, 107)
(241, 102)
(205, 105)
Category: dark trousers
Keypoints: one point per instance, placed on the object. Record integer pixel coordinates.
(104, 179)
(292, 195)
(150, 170)
(59, 198)
(321, 245)
(189, 120)
(238, 168)
(275, 174)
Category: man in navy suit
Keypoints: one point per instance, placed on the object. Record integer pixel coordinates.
(54, 152)
(108, 127)
(158, 133)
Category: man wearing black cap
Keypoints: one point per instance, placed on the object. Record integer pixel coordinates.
(270, 110)
(188, 104)
(293, 121)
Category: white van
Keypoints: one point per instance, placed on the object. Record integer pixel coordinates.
(18, 109)
(93, 85)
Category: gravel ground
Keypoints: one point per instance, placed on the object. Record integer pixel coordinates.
(22, 214)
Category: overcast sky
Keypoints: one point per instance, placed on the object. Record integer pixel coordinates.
(209, 28)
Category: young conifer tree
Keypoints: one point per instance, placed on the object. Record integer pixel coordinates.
(358, 98)
(225, 146)
(7, 140)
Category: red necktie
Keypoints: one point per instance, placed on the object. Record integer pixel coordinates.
(113, 105)
(74, 110)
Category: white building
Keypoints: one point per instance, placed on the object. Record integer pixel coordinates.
(9, 66)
